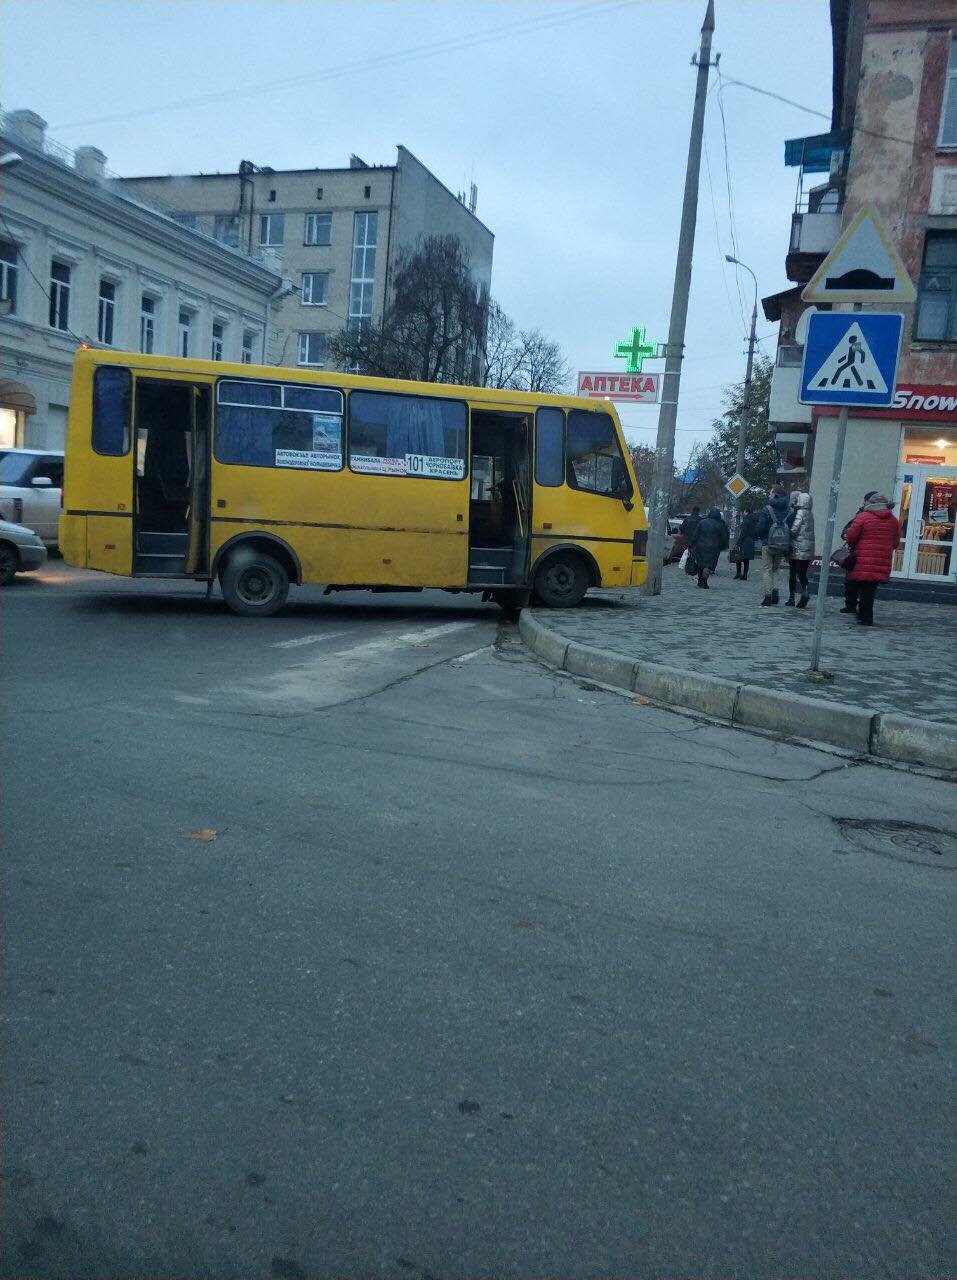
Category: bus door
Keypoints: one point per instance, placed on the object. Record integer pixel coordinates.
(501, 499)
(171, 477)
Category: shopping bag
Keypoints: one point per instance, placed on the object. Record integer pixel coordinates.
(684, 558)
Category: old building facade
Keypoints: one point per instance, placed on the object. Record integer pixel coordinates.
(336, 231)
(81, 262)
(893, 144)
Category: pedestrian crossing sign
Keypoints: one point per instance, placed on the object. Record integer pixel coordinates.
(851, 358)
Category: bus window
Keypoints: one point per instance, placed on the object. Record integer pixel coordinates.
(397, 435)
(549, 447)
(594, 456)
(271, 424)
(112, 397)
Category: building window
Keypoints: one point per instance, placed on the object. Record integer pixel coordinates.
(182, 337)
(948, 115)
(318, 229)
(312, 348)
(315, 288)
(367, 192)
(318, 193)
(226, 229)
(269, 424)
(147, 324)
(272, 195)
(396, 435)
(249, 338)
(59, 295)
(8, 276)
(216, 347)
(272, 227)
(364, 234)
(937, 291)
(106, 311)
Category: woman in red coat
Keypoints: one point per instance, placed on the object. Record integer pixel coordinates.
(874, 534)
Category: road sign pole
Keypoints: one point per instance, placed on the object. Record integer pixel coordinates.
(832, 497)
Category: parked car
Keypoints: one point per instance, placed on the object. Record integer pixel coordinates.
(31, 481)
(674, 541)
(20, 551)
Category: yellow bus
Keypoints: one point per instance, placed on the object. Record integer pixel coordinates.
(263, 476)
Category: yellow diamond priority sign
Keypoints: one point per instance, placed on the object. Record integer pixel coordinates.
(737, 485)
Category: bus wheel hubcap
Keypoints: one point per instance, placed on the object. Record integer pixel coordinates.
(255, 586)
(560, 578)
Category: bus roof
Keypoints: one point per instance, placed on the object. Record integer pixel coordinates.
(347, 381)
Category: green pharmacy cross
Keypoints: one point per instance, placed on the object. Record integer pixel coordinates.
(635, 351)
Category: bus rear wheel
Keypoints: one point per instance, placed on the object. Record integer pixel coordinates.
(561, 582)
(254, 584)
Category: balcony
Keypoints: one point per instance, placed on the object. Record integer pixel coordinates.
(816, 222)
(783, 405)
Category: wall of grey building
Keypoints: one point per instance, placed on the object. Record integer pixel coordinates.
(425, 207)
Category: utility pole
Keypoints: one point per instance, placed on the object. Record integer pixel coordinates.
(746, 406)
(668, 413)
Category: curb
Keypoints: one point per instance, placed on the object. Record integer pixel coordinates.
(885, 735)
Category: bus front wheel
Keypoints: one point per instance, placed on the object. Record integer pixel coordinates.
(561, 582)
(254, 584)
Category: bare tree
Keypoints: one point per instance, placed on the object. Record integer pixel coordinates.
(522, 359)
(546, 369)
(433, 328)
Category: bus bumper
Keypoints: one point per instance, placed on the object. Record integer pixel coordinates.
(639, 571)
(72, 539)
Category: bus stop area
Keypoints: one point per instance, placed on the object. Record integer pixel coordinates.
(903, 666)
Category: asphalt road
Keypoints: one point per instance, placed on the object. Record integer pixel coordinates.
(479, 971)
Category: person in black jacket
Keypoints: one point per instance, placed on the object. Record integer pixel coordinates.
(744, 544)
(707, 542)
(689, 524)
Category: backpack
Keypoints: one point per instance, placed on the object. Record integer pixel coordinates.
(779, 535)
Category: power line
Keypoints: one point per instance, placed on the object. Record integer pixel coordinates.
(397, 57)
(727, 174)
(812, 111)
(717, 235)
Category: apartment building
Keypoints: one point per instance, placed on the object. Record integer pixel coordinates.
(893, 144)
(81, 262)
(336, 231)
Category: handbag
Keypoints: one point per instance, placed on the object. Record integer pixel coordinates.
(691, 565)
(843, 558)
(735, 556)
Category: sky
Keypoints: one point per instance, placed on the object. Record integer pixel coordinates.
(572, 119)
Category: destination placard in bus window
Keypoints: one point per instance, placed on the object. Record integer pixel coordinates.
(326, 433)
(373, 465)
(427, 464)
(309, 460)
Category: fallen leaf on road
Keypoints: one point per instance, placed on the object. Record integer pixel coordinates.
(640, 699)
(206, 835)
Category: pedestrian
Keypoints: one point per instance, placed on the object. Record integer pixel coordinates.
(850, 588)
(802, 547)
(709, 538)
(689, 524)
(744, 544)
(774, 528)
(873, 534)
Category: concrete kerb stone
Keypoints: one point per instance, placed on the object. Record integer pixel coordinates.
(897, 737)
(792, 713)
(885, 735)
(713, 695)
(542, 640)
(601, 664)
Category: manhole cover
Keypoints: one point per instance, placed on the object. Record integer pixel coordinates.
(905, 841)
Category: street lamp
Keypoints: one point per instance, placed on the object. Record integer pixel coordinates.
(746, 407)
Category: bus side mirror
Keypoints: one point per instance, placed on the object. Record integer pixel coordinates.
(628, 504)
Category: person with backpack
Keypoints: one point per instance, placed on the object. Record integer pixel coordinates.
(874, 534)
(709, 539)
(802, 547)
(774, 528)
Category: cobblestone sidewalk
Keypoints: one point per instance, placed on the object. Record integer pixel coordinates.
(906, 662)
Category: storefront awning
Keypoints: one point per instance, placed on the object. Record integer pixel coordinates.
(14, 395)
(813, 154)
